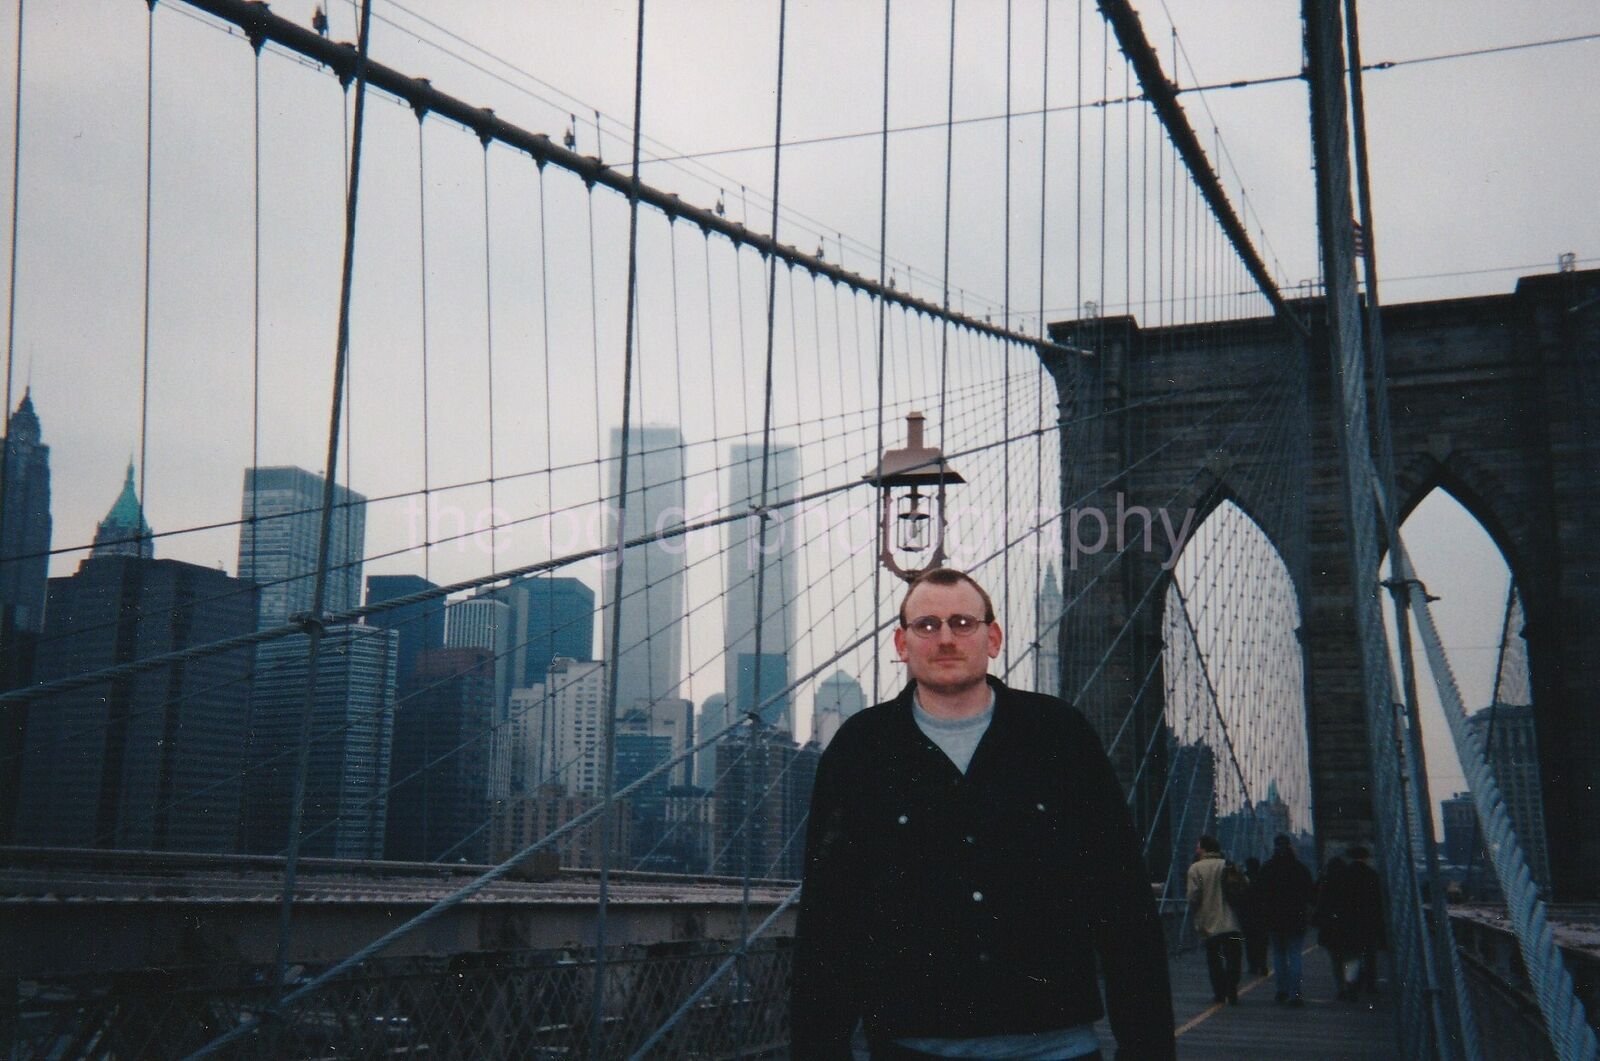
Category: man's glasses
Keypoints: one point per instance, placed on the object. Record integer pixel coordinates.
(929, 625)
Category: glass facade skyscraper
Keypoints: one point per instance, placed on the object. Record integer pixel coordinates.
(278, 542)
(151, 762)
(352, 730)
(420, 626)
(439, 808)
(550, 617)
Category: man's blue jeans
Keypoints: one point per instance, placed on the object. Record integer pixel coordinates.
(1286, 947)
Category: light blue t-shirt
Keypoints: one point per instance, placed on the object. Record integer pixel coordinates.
(958, 738)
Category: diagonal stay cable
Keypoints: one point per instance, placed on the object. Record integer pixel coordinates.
(1570, 1033)
(325, 530)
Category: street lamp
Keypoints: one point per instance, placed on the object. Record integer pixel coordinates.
(912, 521)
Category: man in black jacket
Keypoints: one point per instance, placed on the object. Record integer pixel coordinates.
(969, 863)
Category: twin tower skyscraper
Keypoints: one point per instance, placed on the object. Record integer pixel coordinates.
(651, 667)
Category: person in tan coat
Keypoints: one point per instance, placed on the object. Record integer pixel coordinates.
(1215, 920)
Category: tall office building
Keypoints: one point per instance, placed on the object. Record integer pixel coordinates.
(124, 531)
(762, 796)
(24, 523)
(152, 761)
(838, 697)
(279, 540)
(550, 617)
(352, 731)
(649, 652)
(777, 564)
(685, 846)
(483, 622)
(639, 751)
(563, 719)
(527, 731)
(762, 685)
(713, 718)
(24, 577)
(420, 626)
(1507, 734)
(439, 802)
(672, 718)
(1462, 840)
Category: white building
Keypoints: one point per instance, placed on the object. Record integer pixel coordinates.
(556, 729)
(483, 622)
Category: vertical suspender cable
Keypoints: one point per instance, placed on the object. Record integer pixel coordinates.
(549, 434)
(422, 308)
(883, 244)
(944, 327)
(488, 352)
(1005, 320)
(11, 306)
(149, 174)
(1038, 422)
(255, 399)
(608, 752)
(320, 585)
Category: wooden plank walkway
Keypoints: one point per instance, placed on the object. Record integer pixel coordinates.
(1324, 1029)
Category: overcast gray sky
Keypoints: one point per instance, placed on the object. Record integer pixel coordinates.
(1483, 168)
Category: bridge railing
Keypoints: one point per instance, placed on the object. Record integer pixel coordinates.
(524, 1004)
(1509, 1020)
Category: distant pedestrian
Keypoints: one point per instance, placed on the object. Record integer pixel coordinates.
(1285, 891)
(1329, 918)
(1364, 920)
(1214, 919)
(1255, 933)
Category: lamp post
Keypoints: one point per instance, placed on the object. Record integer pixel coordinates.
(911, 520)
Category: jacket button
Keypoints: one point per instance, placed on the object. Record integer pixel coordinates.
(983, 956)
(1039, 805)
(972, 839)
(902, 819)
(977, 897)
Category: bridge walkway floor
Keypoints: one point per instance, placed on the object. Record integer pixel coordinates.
(1324, 1029)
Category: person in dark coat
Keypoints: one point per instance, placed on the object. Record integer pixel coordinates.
(1364, 918)
(972, 873)
(1255, 933)
(1285, 891)
(1329, 919)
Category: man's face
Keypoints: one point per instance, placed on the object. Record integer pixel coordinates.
(946, 663)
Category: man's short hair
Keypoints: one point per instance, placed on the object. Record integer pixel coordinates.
(1282, 842)
(1209, 843)
(946, 576)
